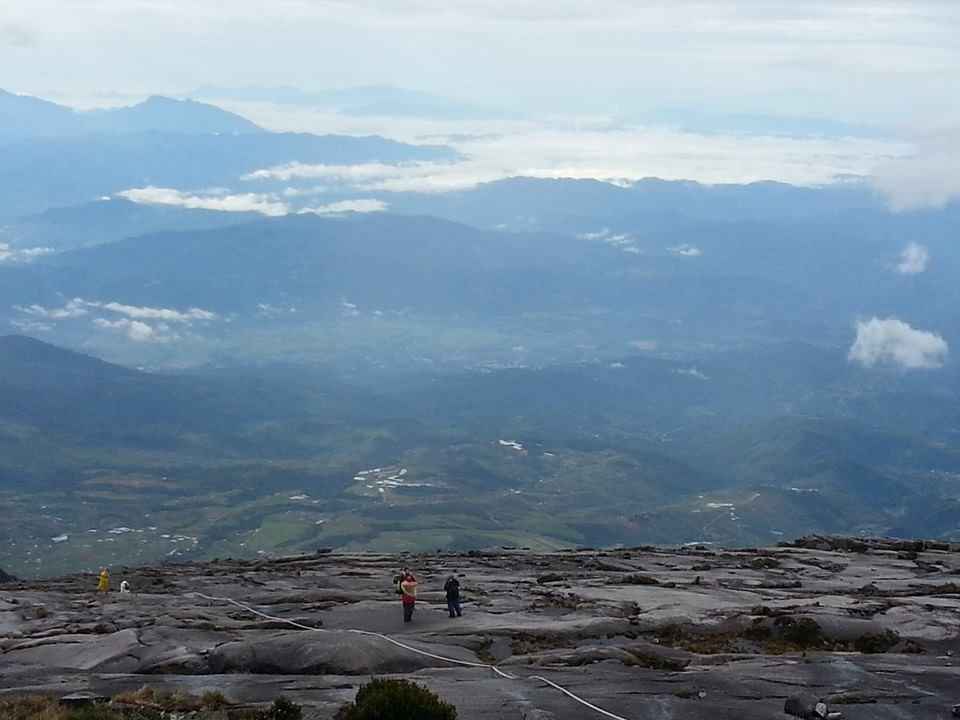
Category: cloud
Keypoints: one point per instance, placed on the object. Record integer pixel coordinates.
(17, 36)
(692, 372)
(73, 309)
(31, 326)
(928, 178)
(78, 307)
(602, 149)
(686, 251)
(138, 331)
(856, 59)
(644, 345)
(913, 260)
(150, 313)
(246, 202)
(893, 342)
(22, 255)
(368, 205)
(598, 235)
(137, 324)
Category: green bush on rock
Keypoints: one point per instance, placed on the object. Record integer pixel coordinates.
(396, 700)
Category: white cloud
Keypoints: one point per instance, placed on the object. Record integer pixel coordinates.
(78, 307)
(31, 326)
(913, 260)
(18, 255)
(245, 202)
(367, 205)
(264, 203)
(598, 235)
(267, 310)
(928, 178)
(692, 372)
(860, 59)
(138, 324)
(73, 309)
(150, 313)
(686, 251)
(598, 148)
(644, 345)
(893, 342)
(138, 331)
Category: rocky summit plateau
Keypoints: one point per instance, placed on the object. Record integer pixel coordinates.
(872, 627)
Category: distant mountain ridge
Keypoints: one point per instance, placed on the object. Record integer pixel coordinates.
(366, 100)
(26, 117)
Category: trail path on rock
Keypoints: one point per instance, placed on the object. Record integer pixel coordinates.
(644, 634)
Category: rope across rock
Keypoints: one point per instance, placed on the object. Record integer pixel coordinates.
(418, 651)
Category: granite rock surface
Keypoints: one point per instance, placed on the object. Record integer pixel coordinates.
(872, 627)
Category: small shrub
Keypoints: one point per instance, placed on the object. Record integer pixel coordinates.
(34, 707)
(396, 700)
(639, 579)
(146, 696)
(802, 632)
(94, 712)
(283, 709)
(876, 643)
(213, 700)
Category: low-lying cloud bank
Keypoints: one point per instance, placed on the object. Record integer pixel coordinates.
(267, 204)
(138, 331)
(19, 255)
(608, 152)
(137, 323)
(929, 178)
(893, 342)
(246, 202)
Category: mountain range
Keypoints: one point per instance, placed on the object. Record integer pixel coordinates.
(257, 363)
(55, 156)
(639, 452)
(23, 117)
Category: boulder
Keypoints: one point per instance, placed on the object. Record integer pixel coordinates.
(6, 577)
(109, 653)
(328, 653)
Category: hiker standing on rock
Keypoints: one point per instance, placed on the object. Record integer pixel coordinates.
(104, 584)
(408, 592)
(452, 588)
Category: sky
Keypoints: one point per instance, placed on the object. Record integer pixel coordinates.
(861, 61)
(578, 89)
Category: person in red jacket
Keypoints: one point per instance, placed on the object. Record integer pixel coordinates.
(408, 593)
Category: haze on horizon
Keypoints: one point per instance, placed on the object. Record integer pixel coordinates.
(870, 62)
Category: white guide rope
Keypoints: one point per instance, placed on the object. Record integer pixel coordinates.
(387, 638)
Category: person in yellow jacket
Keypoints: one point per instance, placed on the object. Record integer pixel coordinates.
(104, 585)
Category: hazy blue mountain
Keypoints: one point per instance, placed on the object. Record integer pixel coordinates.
(163, 114)
(589, 453)
(585, 206)
(39, 174)
(483, 296)
(23, 116)
(381, 260)
(108, 220)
